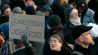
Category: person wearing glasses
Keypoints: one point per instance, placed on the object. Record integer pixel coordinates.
(83, 40)
(56, 46)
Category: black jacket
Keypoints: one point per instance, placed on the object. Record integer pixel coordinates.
(67, 31)
(81, 50)
(58, 9)
(25, 51)
(64, 51)
(94, 47)
(4, 19)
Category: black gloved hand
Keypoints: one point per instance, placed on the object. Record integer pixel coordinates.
(25, 40)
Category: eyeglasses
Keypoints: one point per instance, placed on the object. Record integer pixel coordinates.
(55, 41)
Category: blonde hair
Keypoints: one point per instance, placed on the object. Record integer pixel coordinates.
(63, 2)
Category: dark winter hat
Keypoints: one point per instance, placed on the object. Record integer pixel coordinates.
(30, 10)
(68, 11)
(17, 10)
(77, 2)
(78, 30)
(46, 8)
(81, 3)
(5, 6)
(54, 20)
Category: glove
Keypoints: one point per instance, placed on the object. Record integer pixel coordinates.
(25, 40)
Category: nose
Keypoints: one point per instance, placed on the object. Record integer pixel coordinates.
(91, 36)
(52, 42)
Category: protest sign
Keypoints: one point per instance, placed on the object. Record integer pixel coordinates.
(30, 25)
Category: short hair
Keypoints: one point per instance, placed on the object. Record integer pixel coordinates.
(5, 6)
(58, 35)
(30, 10)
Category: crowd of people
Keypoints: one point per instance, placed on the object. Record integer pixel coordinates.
(70, 27)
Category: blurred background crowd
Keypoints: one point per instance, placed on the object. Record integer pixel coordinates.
(70, 27)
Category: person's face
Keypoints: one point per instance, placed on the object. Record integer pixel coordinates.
(81, 8)
(87, 38)
(7, 11)
(47, 13)
(74, 14)
(74, 17)
(55, 44)
(30, 2)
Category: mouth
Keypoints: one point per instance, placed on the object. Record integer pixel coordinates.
(52, 46)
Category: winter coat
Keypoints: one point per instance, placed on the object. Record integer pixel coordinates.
(79, 50)
(58, 9)
(4, 50)
(94, 47)
(64, 51)
(88, 17)
(67, 31)
(4, 19)
(5, 29)
(24, 51)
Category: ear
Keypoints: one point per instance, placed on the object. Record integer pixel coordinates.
(81, 38)
(61, 44)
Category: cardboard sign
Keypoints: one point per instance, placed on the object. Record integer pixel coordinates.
(30, 25)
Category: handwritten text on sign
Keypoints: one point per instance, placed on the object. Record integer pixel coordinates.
(31, 25)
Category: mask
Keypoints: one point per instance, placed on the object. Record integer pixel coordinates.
(75, 21)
